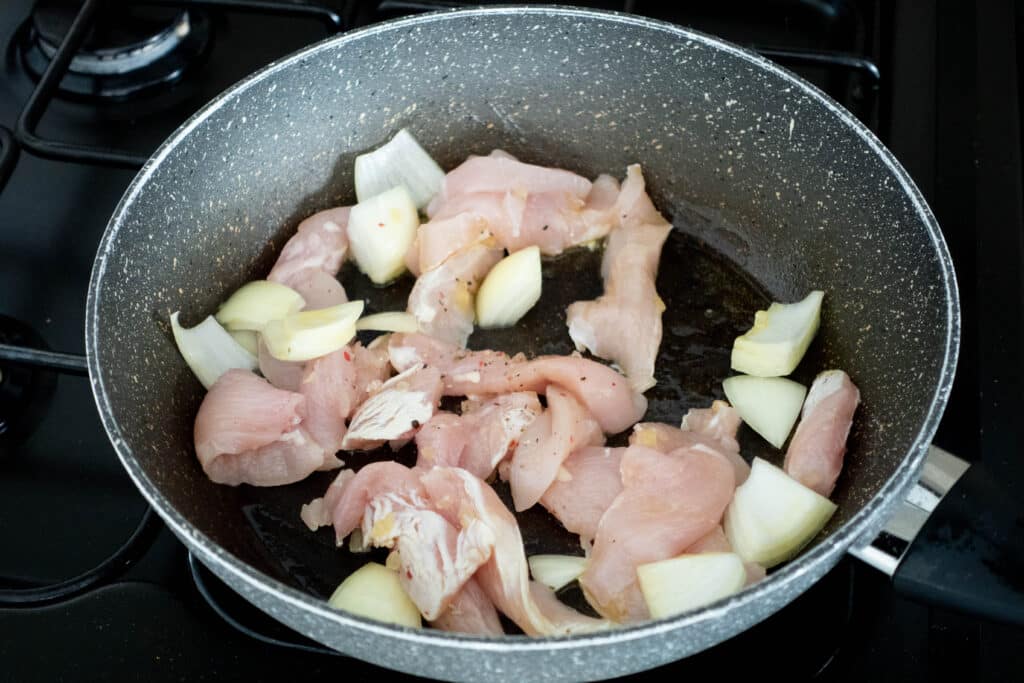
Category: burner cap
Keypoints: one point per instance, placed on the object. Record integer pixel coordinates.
(24, 392)
(128, 49)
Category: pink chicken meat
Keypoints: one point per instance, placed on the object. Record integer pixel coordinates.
(815, 455)
(668, 502)
(313, 256)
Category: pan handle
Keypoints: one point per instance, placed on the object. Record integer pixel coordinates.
(956, 541)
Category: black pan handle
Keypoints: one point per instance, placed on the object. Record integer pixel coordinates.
(956, 542)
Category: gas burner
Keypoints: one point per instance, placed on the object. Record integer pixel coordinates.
(25, 392)
(128, 50)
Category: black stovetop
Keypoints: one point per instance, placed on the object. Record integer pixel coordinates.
(940, 87)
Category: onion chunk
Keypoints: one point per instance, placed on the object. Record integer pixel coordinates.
(311, 334)
(770, 405)
(779, 338)
(556, 571)
(380, 231)
(401, 161)
(510, 289)
(374, 591)
(209, 350)
(391, 321)
(687, 582)
(772, 516)
(256, 303)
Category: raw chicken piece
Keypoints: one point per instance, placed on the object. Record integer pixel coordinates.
(435, 558)
(546, 443)
(465, 373)
(496, 426)
(248, 432)
(442, 298)
(815, 455)
(501, 172)
(505, 578)
(602, 390)
(470, 611)
(438, 239)
(526, 205)
(373, 366)
(630, 300)
(329, 385)
(714, 427)
(668, 502)
(585, 490)
(319, 245)
(478, 439)
(317, 512)
(397, 410)
(441, 441)
(282, 374)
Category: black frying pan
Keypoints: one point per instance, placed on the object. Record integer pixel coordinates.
(773, 188)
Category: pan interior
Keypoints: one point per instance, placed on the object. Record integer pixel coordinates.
(771, 191)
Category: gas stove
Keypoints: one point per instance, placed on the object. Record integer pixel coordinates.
(93, 587)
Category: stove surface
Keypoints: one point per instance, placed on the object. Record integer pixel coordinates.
(66, 505)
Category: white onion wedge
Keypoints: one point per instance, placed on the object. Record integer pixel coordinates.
(779, 338)
(380, 230)
(391, 321)
(510, 289)
(687, 582)
(556, 571)
(256, 303)
(209, 350)
(770, 405)
(374, 591)
(248, 340)
(772, 516)
(311, 334)
(400, 161)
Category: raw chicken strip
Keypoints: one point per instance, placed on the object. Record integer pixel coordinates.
(397, 410)
(602, 390)
(319, 245)
(442, 298)
(501, 172)
(505, 578)
(470, 611)
(438, 239)
(714, 427)
(630, 300)
(373, 366)
(668, 502)
(585, 490)
(348, 504)
(815, 455)
(329, 385)
(248, 432)
(536, 461)
(481, 437)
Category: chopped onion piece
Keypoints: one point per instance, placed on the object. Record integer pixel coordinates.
(556, 571)
(770, 405)
(355, 542)
(374, 591)
(209, 350)
(392, 321)
(380, 231)
(779, 338)
(311, 334)
(772, 516)
(248, 340)
(510, 289)
(256, 303)
(687, 582)
(401, 161)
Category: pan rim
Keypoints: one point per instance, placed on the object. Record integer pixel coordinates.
(859, 529)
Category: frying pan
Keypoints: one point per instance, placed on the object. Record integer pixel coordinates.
(773, 188)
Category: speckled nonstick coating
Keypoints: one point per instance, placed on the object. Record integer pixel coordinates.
(752, 165)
